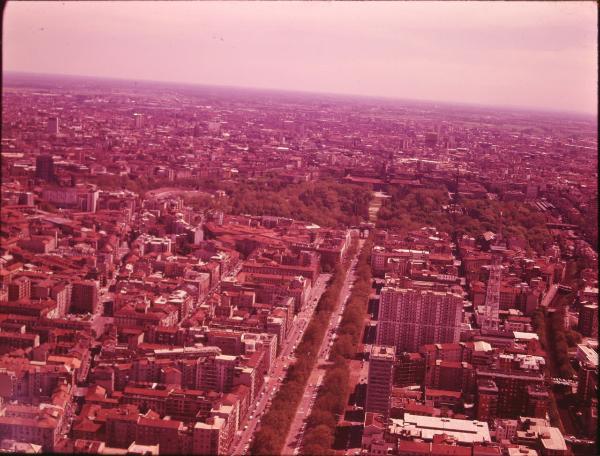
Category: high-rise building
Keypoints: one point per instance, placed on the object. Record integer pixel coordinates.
(588, 320)
(84, 297)
(198, 235)
(90, 201)
(410, 318)
(53, 128)
(61, 293)
(491, 319)
(44, 167)
(587, 387)
(380, 380)
(139, 120)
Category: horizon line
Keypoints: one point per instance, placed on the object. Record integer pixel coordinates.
(466, 104)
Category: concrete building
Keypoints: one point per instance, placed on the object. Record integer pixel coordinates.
(53, 126)
(410, 318)
(588, 320)
(19, 288)
(209, 437)
(465, 432)
(72, 197)
(154, 244)
(44, 167)
(512, 390)
(380, 380)
(587, 387)
(410, 369)
(84, 297)
(487, 399)
(538, 434)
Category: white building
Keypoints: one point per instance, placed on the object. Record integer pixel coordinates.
(465, 432)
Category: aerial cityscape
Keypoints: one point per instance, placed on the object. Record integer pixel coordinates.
(230, 269)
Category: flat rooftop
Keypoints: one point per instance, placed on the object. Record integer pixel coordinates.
(425, 427)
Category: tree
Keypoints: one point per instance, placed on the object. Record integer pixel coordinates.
(276, 422)
(321, 434)
(321, 417)
(266, 441)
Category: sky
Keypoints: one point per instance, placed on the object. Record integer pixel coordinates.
(540, 55)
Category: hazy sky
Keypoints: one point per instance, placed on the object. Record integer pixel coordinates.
(532, 54)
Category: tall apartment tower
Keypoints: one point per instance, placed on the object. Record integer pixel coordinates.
(381, 377)
(588, 320)
(53, 126)
(44, 167)
(587, 386)
(410, 318)
(139, 120)
(84, 297)
(491, 318)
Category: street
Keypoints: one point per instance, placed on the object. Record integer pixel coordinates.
(273, 381)
(294, 438)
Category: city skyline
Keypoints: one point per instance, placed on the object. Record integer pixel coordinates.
(507, 59)
(237, 272)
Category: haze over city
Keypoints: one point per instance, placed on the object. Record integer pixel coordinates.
(540, 55)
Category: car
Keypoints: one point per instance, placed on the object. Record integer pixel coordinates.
(246, 428)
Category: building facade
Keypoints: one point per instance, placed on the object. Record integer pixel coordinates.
(409, 319)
